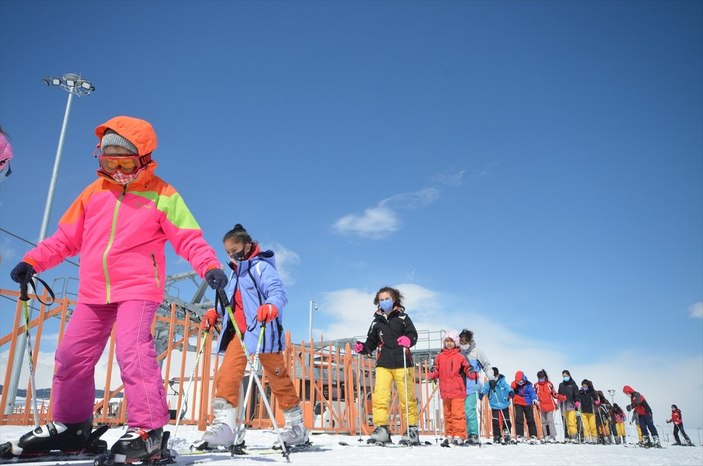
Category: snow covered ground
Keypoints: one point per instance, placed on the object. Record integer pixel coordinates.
(337, 454)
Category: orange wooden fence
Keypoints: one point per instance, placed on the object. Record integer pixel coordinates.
(334, 384)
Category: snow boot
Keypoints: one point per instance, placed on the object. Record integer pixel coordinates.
(380, 435)
(53, 436)
(294, 432)
(472, 439)
(221, 432)
(137, 444)
(411, 437)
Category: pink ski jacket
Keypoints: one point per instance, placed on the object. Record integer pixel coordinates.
(121, 231)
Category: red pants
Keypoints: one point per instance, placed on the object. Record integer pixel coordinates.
(231, 372)
(454, 417)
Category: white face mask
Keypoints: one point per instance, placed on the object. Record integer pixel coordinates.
(465, 347)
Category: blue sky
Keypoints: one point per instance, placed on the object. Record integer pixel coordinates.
(531, 170)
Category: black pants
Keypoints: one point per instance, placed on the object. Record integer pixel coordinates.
(523, 413)
(677, 428)
(501, 421)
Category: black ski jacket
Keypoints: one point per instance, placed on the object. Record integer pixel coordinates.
(570, 389)
(383, 335)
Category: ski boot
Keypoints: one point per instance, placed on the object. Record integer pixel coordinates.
(294, 432)
(380, 435)
(656, 443)
(53, 436)
(472, 439)
(411, 437)
(222, 431)
(533, 440)
(138, 445)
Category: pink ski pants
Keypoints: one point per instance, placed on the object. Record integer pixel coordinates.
(80, 349)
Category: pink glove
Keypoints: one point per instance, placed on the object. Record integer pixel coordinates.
(577, 404)
(597, 402)
(404, 341)
(209, 319)
(358, 347)
(432, 375)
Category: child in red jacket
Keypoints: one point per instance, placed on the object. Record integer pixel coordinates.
(452, 368)
(678, 426)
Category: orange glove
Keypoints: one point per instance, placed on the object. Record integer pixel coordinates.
(266, 313)
(209, 319)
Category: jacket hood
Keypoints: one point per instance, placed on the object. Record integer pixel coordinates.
(138, 132)
(519, 375)
(627, 390)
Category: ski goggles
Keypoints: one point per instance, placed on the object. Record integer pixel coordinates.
(125, 163)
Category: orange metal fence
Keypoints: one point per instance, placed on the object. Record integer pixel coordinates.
(334, 384)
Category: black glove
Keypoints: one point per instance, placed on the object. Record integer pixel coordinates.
(216, 278)
(511, 395)
(629, 407)
(480, 396)
(492, 384)
(22, 273)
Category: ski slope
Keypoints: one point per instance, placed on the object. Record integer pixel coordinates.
(336, 454)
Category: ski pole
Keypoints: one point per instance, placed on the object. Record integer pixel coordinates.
(184, 403)
(407, 405)
(358, 392)
(242, 409)
(24, 297)
(223, 298)
(480, 418)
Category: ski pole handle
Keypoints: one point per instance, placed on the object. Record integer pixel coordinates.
(24, 296)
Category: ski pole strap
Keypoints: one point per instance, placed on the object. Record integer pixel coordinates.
(24, 296)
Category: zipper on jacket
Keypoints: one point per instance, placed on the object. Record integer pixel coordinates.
(156, 270)
(109, 244)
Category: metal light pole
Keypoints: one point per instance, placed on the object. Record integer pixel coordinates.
(74, 84)
(313, 305)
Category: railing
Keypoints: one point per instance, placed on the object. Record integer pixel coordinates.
(334, 384)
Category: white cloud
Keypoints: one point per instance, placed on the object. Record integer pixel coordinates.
(352, 310)
(449, 177)
(377, 222)
(383, 219)
(696, 310)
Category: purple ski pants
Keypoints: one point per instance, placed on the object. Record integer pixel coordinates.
(80, 349)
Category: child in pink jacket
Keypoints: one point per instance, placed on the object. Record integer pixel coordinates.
(119, 225)
(452, 368)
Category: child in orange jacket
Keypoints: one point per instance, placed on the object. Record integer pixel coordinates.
(452, 368)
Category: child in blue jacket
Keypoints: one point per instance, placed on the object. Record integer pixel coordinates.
(525, 398)
(499, 395)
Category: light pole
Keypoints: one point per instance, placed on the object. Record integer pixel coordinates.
(74, 84)
(313, 305)
(611, 392)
